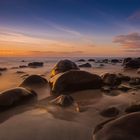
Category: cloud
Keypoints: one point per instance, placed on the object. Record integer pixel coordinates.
(129, 41)
(135, 16)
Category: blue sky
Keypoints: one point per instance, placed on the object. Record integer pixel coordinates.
(95, 23)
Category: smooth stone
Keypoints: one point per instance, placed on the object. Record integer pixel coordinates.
(34, 81)
(110, 112)
(63, 66)
(74, 80)
(63, 100)
(88, 65)
(111, 79)
(15, 96)
(35, 64)
(123, 128)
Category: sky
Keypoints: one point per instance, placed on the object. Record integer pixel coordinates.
(44, 28)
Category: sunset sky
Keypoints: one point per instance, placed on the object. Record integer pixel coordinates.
(69, 28)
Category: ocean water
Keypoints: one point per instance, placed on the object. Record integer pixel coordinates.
(10, 78)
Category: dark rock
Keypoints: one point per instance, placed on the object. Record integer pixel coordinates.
(132, 64)
(110, 112)
(126, 60)
(14, 67)
(124, 88)
(16, 96)
(105, 60)
(133, 108)
(23, 66)
(20, 72)
(63, 100)
(138, 72)
(115, 61)
(111, 79)
(35, 64)
(0, 74)
(135, 81)
(123, 128)
(34, 81)
(23, 61)
(74, 80)
(81, 60)
(124, 78)
(101, 65)
(91, 60)
(63, 66)
(86, 65)
(3, 69)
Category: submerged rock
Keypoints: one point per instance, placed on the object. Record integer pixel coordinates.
(133, 108)
(3, 69)
(124, 88)
(20, 72)
(91, 60)
(135, 81)
(132, 64)
(34, 81)
(126, 60)
(81, 60)
(23, 66)
(15, 96)
(123, 128)
(110, 112)
(35, 64)
(63, 100)
(88, 65)
(115, 61)
(63, 66)
(111, 79)
(74, 80)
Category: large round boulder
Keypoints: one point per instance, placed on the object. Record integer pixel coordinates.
(74, 80)
(111, 79)
(15, 96)
(123, 128)
(63, 66)
(34, 81)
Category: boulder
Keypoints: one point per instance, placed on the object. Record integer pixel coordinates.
(123, 78)
(126, 60)
(123, 128)
(63, 66)
(91, 60)
(63, 100)
(87, 65)
(111, 79)
(110, 112)
(132, 64)
(34, 81)
(35, 64)
(105, 60)
(23, 66)
(74, 80)
(15, 96)
(81, 60)
(3, 69)
(20, 72)
(115, 61)
(135, 81)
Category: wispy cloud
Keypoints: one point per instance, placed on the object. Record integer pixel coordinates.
(134, 16)
(131, 40)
